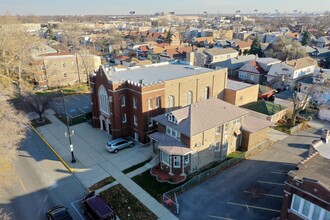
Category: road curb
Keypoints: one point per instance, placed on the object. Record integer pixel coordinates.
(52, 149)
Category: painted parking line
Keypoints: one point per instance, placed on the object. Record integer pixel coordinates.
(265, 194)
(81, 110)
(279, 172)
(289, 164)
(219, 217)
(272, 183)
(253, 207)
(75, 98)
(72, 203)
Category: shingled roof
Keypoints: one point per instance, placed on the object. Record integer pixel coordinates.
(204, 115)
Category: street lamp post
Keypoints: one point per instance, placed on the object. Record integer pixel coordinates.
(73, 160)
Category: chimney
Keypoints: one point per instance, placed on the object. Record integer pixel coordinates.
(191, 58)
(325, 135)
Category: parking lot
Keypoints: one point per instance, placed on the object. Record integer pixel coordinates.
(76, 105)
(252, 189)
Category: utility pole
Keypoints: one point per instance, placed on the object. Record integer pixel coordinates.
(73, 160)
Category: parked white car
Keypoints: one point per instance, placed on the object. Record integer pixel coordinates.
(118, 144)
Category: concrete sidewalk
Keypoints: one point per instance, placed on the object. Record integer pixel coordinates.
(94, 163)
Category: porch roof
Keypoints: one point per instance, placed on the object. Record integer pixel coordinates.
(169, 145)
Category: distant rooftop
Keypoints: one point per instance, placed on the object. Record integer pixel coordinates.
(235, 85)
(155, 73)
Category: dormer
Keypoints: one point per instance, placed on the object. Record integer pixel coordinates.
(171, 118)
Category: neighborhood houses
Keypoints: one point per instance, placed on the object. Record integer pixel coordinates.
(170, 116)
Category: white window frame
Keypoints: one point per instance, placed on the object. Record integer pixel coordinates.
(217, 146)
(171, 101)
(218, 130)
(186, 160)
(165, 156)
(149, 104)
(134, 103)
(135, 118)
(124, 118)
(176, 161)
(103, 100)
(122, 101)
(311, 209)
(158, 102)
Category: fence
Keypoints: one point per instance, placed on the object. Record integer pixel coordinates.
(207, 174)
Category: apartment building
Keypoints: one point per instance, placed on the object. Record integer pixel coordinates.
(125, 101)
(196, 135)
(64, 68)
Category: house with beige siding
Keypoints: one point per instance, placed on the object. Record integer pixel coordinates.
(239, 93)
(194, 136)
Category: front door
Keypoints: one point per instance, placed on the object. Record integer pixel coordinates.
(103, 125)
(110, 132)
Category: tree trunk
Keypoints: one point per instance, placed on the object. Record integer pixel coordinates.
(294, 117)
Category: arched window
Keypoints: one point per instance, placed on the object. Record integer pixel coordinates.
(103, 100)
(170, 101)
(206, 92)
(189, 97)
(122, 101)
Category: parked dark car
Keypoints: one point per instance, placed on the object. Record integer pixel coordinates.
(118, 144)
(95, 208)
(58, 212)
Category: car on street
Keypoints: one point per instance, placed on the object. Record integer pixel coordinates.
(58, 212)
(118, 144)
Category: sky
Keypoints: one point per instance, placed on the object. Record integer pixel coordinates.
(123, 7)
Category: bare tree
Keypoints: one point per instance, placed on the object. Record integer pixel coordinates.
(3, 215)
(283, 49)
(300, 103)
(13, 131)
(15, 47)
(37, 103)
(72, 34)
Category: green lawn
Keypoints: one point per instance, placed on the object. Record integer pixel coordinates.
(132, 168)
(68, 90)
(152, 186)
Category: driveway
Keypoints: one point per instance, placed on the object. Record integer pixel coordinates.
(252, 189)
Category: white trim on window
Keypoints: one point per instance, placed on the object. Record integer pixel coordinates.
(134, 103)
(124, 118)
(306, 209)
(176, 161)
(165, 158)
(149, 104)
(158, 102)
(135, 118)
(122, 101)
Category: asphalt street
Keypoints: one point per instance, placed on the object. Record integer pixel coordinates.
(252, 189)
(43, 181)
